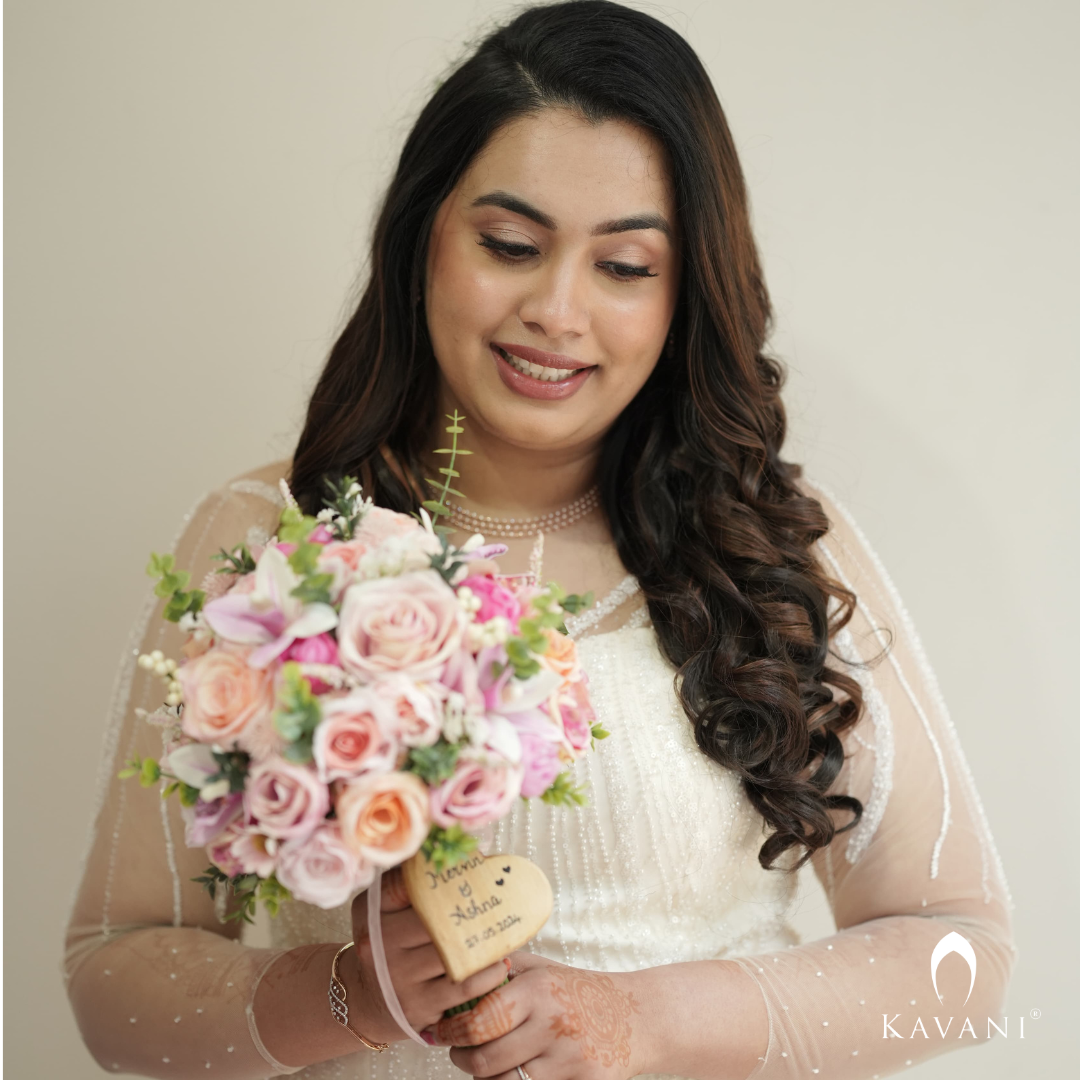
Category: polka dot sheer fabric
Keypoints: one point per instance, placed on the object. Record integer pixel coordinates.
(660, 867)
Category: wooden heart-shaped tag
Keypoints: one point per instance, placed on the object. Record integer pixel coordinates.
(480, 910)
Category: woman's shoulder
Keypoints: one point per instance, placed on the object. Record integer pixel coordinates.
(243, 508)
(263, 482)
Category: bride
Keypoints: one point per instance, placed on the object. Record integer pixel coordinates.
(564, 255)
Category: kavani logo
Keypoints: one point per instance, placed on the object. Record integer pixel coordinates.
(950, 943)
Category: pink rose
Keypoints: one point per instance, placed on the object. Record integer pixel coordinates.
(204, 820)
(257, 854)
(572, 707)
(495, 599)
(384, 817)
(320, 649)
(347, 552)
(412, 623)
(321, 869)
(219, 850)
(416, 707)
(223, 694)
(284, 799)
(356, 736)
(542, 764)
(476, 794)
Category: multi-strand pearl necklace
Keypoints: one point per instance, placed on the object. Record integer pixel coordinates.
(519, 528)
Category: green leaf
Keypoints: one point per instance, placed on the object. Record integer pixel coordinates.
(237, 561)
(189, 795)
(598, 732)
(314, 589)
(160, 564)
(150, 772)
(574, 602)
(433, 764)
(563, 793)
(131, 768)
(298, 712)
(444, 848)
(295, 527)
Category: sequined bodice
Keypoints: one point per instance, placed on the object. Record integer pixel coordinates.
(660, 866)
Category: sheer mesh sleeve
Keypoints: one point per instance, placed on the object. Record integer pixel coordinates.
(917, 890)
(159, 985)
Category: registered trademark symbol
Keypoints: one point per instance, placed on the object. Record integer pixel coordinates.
(1035, 1014)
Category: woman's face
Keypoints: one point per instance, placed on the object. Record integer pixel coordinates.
(552, 277)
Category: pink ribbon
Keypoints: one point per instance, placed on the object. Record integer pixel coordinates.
(378, 954)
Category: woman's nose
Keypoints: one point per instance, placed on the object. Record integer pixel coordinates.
(555, 304)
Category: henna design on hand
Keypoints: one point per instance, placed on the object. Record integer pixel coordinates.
(491, 1017)
(595, 1013)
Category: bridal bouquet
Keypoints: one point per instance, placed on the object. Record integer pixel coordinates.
(354, 691)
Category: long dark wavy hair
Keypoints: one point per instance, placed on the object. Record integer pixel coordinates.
(703, 510)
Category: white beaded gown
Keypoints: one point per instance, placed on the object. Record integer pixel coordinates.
(660, 867)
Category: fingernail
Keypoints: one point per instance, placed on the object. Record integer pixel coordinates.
(508, 963)
(428, 1037)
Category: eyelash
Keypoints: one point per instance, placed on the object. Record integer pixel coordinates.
(508, 252)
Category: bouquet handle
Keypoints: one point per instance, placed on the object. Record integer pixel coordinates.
(378, 954)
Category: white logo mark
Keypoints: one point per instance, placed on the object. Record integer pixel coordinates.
(953, 943)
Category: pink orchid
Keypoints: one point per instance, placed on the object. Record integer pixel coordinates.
(518, 701)
(269, 617)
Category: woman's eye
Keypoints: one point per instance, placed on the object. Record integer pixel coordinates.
(626, 271)
(505, 250)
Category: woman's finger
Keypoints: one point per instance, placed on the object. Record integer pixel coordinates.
(395, 896)
(502, 1056)
(495, 1015)
(405, 929)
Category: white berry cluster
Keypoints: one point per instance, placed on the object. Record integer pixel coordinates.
(166, 669)
(482, 635)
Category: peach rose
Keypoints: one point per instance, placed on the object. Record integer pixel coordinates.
(357, 735)
(561, 655)
(223, 695)
(384, 817)
(412, 624)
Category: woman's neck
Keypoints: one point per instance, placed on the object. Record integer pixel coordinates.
(506, 480)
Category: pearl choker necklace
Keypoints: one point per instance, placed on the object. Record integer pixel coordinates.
(519, 528)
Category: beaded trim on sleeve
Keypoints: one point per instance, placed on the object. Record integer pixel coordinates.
(578, 624)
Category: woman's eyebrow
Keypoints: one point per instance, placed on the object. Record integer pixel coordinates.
(517, 205)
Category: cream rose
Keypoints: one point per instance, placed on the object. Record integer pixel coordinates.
(223, 695)
(385, 817)
(411, 624)
(417, 707)
(321, 870)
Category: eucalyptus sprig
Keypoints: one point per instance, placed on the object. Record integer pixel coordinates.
(173, 583)
(437, 507)
(248, 889)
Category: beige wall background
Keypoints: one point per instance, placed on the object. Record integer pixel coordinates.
(189, 191)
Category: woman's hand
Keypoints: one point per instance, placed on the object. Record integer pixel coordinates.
(416, 971)
(557, 1022)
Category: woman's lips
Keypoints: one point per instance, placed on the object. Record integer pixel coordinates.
(529, 385)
